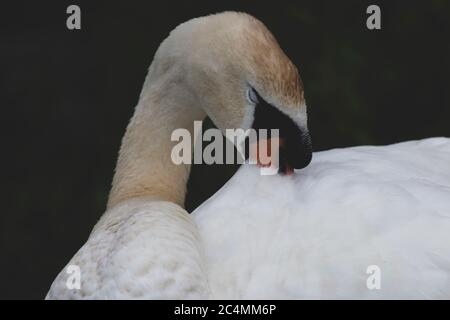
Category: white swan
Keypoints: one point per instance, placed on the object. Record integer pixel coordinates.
(311, 235)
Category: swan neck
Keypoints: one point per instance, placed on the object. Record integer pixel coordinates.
(144, 167)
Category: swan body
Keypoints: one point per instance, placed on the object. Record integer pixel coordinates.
(310, 235)
(315, 234)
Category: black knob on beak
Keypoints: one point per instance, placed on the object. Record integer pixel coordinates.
(298, 150)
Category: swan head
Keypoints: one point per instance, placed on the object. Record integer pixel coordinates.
(233, 66)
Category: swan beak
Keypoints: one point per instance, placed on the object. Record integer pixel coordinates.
(295, 152)
(295, 148)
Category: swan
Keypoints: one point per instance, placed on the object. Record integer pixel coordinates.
(313, 234)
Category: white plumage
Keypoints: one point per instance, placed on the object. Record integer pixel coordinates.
(311, 235)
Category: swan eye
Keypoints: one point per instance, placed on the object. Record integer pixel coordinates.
(251, 96)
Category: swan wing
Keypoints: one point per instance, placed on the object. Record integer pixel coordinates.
(320, 233)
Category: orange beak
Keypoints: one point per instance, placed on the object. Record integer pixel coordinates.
(265, 156)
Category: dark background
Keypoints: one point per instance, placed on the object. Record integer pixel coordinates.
(66, 97)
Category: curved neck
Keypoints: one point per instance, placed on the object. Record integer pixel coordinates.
(144, 167)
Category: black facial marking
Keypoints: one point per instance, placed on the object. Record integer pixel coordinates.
(296, 149)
